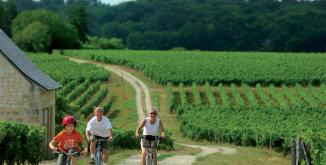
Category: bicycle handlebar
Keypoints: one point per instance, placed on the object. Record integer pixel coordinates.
(100, 140)
(61, 151)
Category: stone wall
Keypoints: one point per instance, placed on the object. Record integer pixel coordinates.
(23, 101)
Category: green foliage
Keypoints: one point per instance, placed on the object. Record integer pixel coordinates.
(60, 68)
(316, 139)
(171, 98)
(78, 18)
(242, 25)
(217, 67)
(34, 37)
(63, 35)
(8, 12)
(95, 101)
(103, 43)
(210, 96)
(20, 143)
(63, 108)
(126, 139)
(268, 127)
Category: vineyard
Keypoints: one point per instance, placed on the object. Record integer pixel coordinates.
(259, 116)
(217, 67)
(258, 99)
(84, 85)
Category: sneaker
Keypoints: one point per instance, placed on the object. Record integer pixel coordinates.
(92, 161)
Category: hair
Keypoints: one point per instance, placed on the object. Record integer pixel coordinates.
(155, 109)
(99, 108)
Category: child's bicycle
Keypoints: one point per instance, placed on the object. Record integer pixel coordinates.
(149, 142)
(64, 158)
(98, 151)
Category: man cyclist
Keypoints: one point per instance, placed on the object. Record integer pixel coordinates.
(99, 127)
(152, 126)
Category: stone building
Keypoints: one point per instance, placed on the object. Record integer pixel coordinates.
(26, 94)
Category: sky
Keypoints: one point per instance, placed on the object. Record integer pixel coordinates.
(114, 2)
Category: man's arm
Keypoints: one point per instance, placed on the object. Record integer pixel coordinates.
(88, 135)
(110, 134)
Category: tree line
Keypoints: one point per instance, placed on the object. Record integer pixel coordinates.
(233, 25)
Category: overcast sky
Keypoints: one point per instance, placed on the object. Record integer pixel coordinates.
(114, 2)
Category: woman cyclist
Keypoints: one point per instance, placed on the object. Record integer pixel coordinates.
(152, 126)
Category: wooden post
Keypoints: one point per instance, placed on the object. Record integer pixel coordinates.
(306, 153)
(297, 152)
(121, 77)
(293, 153)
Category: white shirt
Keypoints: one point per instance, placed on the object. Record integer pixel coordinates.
(99, 128)
(151, 129)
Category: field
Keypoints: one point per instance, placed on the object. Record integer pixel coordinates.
(217, 67)
(84, 85)
(258, 99)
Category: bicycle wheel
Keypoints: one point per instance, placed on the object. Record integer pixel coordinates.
(98, 158)
(62, 159)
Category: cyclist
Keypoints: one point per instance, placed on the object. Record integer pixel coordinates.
(152, 126)
(68, 139)
(99, 127)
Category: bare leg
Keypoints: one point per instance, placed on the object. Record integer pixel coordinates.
(155, 156)
(143, 156)
(105, 155)
(92, 148)
(73, 160)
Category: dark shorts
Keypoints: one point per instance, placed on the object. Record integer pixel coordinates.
(148, 141)
(104, 144)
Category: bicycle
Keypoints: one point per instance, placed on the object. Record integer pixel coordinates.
(98, 151)
(149, 142)
(64, 158)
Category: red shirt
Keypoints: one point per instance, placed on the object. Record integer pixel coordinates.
(67, 141)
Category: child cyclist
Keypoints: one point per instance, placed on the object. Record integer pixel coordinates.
(68, 140)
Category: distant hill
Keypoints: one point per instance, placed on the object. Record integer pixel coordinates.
(233, 25)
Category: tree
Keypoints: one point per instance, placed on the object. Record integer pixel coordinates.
(9, 13)
(63, 35)
(1, 15)
(34, 37)
(78, 18)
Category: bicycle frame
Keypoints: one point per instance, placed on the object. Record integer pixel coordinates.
(149, 148)
(98, 151)
(65, 161)
(149, 157)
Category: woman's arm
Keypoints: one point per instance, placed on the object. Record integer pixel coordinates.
(141, 125)
(162, 129)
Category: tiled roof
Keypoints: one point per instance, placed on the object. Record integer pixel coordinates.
(19, 60)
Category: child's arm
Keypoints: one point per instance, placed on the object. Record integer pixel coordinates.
(52, 147)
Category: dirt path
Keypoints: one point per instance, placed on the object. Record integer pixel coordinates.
(140, 88)
(129, 78)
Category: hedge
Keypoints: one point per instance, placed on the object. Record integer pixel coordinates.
(20, 143)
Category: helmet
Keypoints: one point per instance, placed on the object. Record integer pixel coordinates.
(69, 119)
